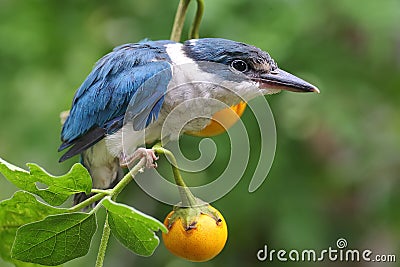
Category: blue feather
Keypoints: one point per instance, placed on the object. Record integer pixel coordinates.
(121, 79)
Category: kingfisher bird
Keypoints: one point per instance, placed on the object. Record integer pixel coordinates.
(136, 88)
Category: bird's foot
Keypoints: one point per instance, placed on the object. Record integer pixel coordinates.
(149, 154)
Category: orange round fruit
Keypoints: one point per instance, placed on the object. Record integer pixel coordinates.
(200, 243)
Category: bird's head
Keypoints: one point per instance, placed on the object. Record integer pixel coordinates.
(244, 69)
(240, 62)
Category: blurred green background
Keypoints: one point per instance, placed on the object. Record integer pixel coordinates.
(337, 165)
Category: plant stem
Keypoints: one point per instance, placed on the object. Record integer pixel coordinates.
(127, 178)
(105, 191)
(87, 202)
(188, 200)
(114, 193)
(194, 30)
(103, 243)
(179, 20)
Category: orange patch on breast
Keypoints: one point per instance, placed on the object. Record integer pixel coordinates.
(222, 120)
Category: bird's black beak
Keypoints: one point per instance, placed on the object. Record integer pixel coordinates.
(279, 79)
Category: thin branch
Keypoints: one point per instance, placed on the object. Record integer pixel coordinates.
(103, 191)
(87, 202)
(128, 178)
(194, 30)
(114, 193)
(103, 244)
(110, 192)
(188, 199)
(179, 20)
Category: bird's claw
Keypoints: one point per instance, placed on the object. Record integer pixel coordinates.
(149, 154)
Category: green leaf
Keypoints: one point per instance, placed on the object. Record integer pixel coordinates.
(58, 188)
(26, 264)
(132, 228)
(21, 209)
(56, 239)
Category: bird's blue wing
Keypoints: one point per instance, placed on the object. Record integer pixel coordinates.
(146, 103)
(135, 75)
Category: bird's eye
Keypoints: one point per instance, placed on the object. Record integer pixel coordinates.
(239, 65)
